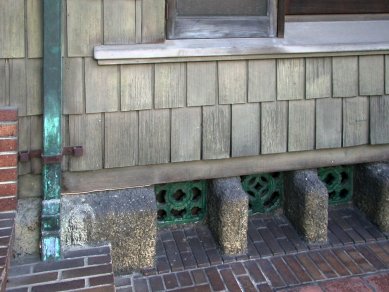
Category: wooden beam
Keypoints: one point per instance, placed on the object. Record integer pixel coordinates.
(127, 177)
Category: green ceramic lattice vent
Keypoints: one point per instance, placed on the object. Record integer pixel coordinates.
(339, 182)
(266, 191)
(181, 202)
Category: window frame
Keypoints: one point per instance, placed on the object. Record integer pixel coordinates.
(273, 20)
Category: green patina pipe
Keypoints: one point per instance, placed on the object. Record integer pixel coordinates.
(52, 137)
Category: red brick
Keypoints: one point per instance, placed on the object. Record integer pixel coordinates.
(379, 282)
(8, 204)
(310, 288)
(184, 279)
(107, 288)
(8, 189)
(270, 273)
(60, 286)
(60, 265)
(310, 267)
(170, 281)
(284, 271)
(81, 252)
(8, 160)
(199, 276)
(297, 269)
(97, 260)
(229, 280)
(5, 232)
(246, 284)
(32, 279)
(8, 174)
(254, 272)
(347, 261)
(156, 283)
(8, 114)
(215, 279)
(8, 129)
(8, 145)
(346, 285)
(101, 280)
(88, 271)
(201, 288)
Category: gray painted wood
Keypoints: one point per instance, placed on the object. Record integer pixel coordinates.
(355, 121)
(87, 130)
(12, 29)
(186, 134)
(4, 82)
(119, 22)
(274, 119)
(328, 123)
(135, 176)
(202, 83)
(154, 136)
(35, 28)
(34, 85)
(121, 139)
(138, 21)
(137, 87)
(387, 74)
(345, 76)
(18, 85)
(170, 85)
(379, 119)
(262, 80)
(371, 75)
(73, 86)
(216, 131)
(101, 87)
(24, 139)
(232, 82)
(36, 142)
(153, 21)
(84, 26)
(290, 79)
(301, 125)
(245, 129)
(318, 77)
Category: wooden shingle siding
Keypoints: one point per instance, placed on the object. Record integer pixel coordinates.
(186, 134)
(4, 82)
(371, 75)
(12, 44)
(202, 83)
(274, 119)
(18, 85)
(153, 21)
(24, 132)
(154, 136)
(65, 141)
(73, 86)
(245, 129)
(34, 85)
(84, 26)
(101, 87)
(35, 28)
(345, 76)
(119, 22)
(138, 21)
(262, 80)
(232, 82)
(170, 85)
(87, 130)
(355, 121)
(318, 77)
(36, 142)
(379, 119)
(121, 139)
(216, 131)
(328, 123)
(290, 79)
(137, 87)
(301, 125)
(387, 74)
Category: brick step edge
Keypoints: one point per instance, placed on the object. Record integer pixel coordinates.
(7, 231)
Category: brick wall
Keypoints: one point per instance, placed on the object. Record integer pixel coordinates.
(8, 158)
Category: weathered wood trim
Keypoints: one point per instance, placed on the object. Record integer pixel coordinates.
(301, 39)
(120, 178)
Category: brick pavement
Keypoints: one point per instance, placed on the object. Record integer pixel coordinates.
(356, 258)
(357, 255)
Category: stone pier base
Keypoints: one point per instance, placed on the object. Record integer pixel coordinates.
(371, 192)
(306, 204)
(227, 214)
(126, 218)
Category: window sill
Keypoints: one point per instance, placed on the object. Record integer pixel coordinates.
(322, 38)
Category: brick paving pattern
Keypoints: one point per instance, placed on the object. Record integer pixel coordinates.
(277, 259)
(356, 258)
(87, 269)
(7, 221)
